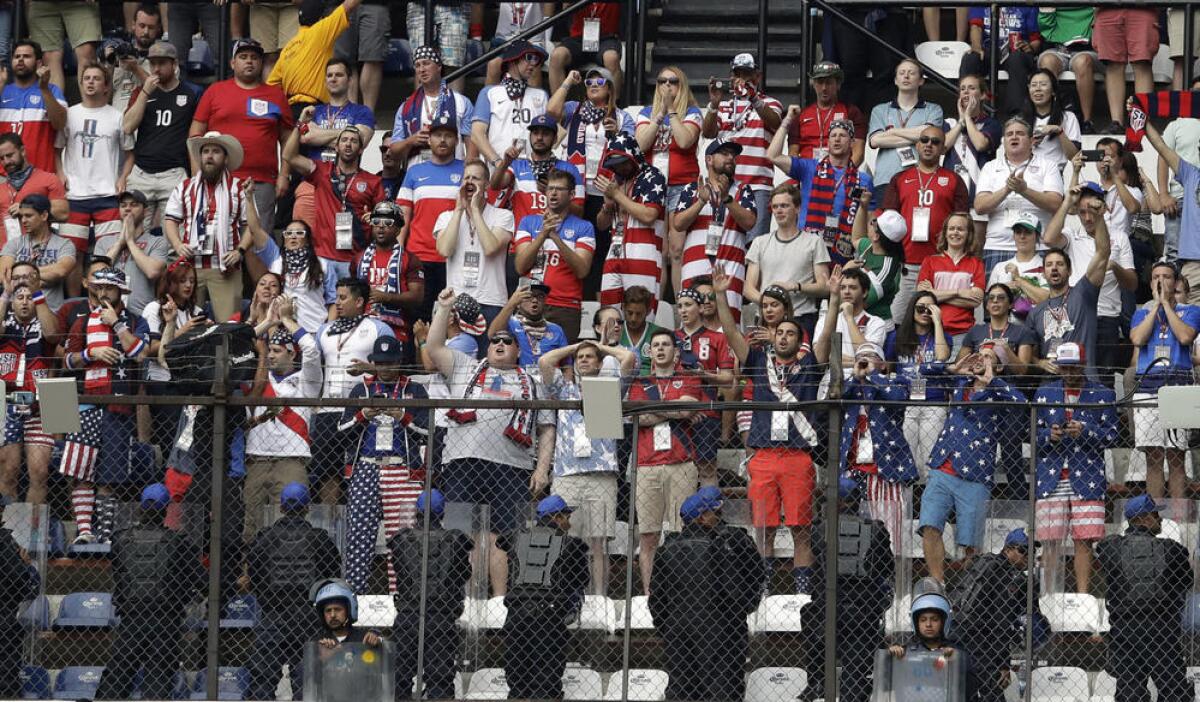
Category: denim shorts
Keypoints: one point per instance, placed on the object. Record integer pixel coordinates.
(949, 494)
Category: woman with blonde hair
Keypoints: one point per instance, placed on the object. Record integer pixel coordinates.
(954, 276)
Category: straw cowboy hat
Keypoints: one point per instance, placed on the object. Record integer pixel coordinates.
(233, 148)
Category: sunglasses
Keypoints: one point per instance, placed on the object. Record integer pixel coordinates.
(506, 340)
(708, 297)
(928, 139)
(383, 221)
(997, 298)
(923, 309)
(294, 232)
(595, 82)
(668, 81)
(532, 58)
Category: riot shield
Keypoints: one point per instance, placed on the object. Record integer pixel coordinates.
(349, 672)
(918, 676)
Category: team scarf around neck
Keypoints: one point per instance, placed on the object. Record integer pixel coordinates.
(520, 424)
(18, 179)
(344, 325)
(820, 202)
(226, 192)
(30, 335)
(98, 379)
(1164, 103)
(295, 262)
(587, 116)
(391, 315)
(411, 110)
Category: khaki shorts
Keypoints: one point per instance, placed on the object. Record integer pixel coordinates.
(49, 22)
(594, 497)
(1175, 33)
(156, 187)
(661, 491)
(1191, 271)
(274, 24)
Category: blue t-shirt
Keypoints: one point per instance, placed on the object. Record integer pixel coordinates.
(1013, 20)
(803, 171)
(1178, 371)
(329, 117)
(555, 338)
(1189, 230)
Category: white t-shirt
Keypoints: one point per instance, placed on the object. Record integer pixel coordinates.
(1051, 148)
(1029, 269)
(789, 261)
(1081, 247)
(512, 17)
(1040, 175)
(490, 287)
(1117, 217)
(873, 329)
(93, 144)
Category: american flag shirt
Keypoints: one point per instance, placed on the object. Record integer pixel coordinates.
(739, 122)
(727, 251)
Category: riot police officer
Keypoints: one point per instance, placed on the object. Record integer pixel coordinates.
(448, 567)
(865, 575)
(18, 584)
(284, 559)
(548, 570)
(1147, 581)
(707, 579)
(990, 607)
(156, 573)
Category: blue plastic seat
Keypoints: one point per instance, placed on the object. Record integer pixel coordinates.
(35, 614)
(86, 610)
(232, 684)
(240, 613)
(78, 682)
(35, 683)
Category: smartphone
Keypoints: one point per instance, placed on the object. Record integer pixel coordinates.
(856, 192)
(1092, 155)
(605, 172)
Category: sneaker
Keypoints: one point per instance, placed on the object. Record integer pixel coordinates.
(84, 538)
(1115, 127)
(1086, 127)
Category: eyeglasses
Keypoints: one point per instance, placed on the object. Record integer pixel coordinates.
(997, 298)
(668, 81)
(506, 340)
(294, 232)
(595, 82)
(532, 58)
(928, 139)
(382, 221)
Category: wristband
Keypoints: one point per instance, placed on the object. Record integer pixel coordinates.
(85, 357)
(476, 31)
(39, 297)
(303, 128)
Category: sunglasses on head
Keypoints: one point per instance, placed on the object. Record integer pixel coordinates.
(383, 221)
(929, 139)
(506, 340)
(668, 81)
(595, 82)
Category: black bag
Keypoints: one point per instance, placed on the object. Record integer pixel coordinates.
(192, 357)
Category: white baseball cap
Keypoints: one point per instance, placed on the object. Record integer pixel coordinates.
(892, 225)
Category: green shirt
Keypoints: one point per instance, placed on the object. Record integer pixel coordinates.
(1066, 25)
(642, 349)
(885, 273)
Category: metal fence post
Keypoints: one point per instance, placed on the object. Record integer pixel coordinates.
(806, 11)
(630, 558)
(1189, 56)
(220, 392)
(993, 51)
(430, 25)
(763, 8)
(832, 459)
(1031, 563)
(426, 514)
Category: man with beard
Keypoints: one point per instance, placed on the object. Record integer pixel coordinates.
(205, 221)
(132, 71)
(806, 135)
(634, 199)
(23, 178)
(395, 276)
(33, 107)
(160, 112)
(555, 249)
(410, 133)
(343, 193)
(53, 255)
(527, 176)
(711, 222)
(429, 189)
(138, 253)
(25, 357)
(524, 316)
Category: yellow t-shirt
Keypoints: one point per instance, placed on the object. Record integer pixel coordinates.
(300, 70)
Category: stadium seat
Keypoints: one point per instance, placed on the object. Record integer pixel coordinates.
(599, 613)
(1060, 684)
(487, 684)
(582, 684)
(376, 612)
(639, 614)
(896, 619)
(232, 684)
(35, 683)
(645, 685)
(778, 613)
(1071, 612)
(86, 610)
(240, 613)
(35, 614)
(1104, 687)
(78, 682)
(775, 684)
(492, 613)
(942, 56)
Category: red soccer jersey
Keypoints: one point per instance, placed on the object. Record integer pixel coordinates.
(945, 274)
(738, 121)
(566, 290)
(942, 192)
(255, 117)
(39, 183)
(811, 129)
(678, 164)
(711, 351)
(609, 14)
(363, 190)
(654, 388)
(23, 111)
(23, 359)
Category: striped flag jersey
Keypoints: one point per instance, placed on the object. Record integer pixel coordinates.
(739, 122)
(700, 255)
(429, 189)
(23, 112)
(635, 255)
(287, 434)
(526, 199)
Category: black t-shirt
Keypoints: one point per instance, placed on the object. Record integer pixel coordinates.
(162, 135)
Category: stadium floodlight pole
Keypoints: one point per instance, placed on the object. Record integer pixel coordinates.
(830, 554)
(220, 390)
(419, 685)
(632, 537)
(1031, 558)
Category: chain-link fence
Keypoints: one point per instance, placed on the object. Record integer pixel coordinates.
(981, 546)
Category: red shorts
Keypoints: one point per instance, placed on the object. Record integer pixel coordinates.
(781, 477)
(1085, 518)
(1126, 34)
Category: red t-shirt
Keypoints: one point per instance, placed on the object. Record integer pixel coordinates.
(942, 191)
(255, 117)
(363, 191)
(945, 274)
(711, 351)
(670, 388)
(811, 129)
(39, 183)
(609, 14)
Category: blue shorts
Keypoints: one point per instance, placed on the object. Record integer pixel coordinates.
(503, 488)
(946, 494)
(706, 438)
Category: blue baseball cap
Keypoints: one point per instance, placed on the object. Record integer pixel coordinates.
(444, 120)
(294, 496)
(155, 496)
(1142, 504)
(543, 122)
(1017, 537)
(437, 502)
(723, 145)
(847, 488)
(698, 504)
(1093, 188)
(387, 349)
(553, 505)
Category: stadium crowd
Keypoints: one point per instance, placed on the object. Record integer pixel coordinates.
(976, 260)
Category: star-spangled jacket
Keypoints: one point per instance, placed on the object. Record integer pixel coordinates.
(892, 454)
(968, 440)
(1083, 457)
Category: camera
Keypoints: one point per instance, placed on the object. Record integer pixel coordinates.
(115, 49)
(719, 86)
(1092, 155)
(21, 398)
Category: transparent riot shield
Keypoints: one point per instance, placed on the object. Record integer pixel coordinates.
(918, 676)
(349, 672)
(484, 613)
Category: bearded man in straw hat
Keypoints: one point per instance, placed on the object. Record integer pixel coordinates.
(206, 221)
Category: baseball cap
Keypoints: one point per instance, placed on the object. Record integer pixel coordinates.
(1017, 537)
(135, 195)
(162, 50)
(155, 496)
(868, 349)
(443, 120)
(1142, 504)
(543, 122)
(247, 44)
(552, 505)
(1028, 220)
(602, 72)
(847, 488)
(539, 288)
(718, 144)
(826, 69)
(294, 496)
(387, 350)
(519, 48)
(1091, 187)
(1069, 353)
(698, 504)
(743, 60)
(892, 225)
(437, 502)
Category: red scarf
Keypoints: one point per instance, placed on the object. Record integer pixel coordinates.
(820, 208)
(520, 426)
(97, 378)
